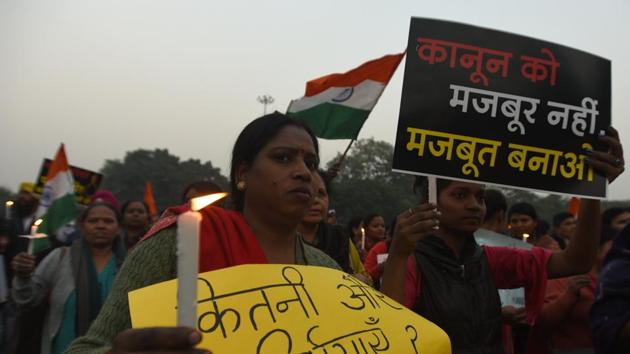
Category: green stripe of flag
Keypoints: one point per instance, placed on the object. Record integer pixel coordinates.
(40, 244)
(61, 211)
(333, 121)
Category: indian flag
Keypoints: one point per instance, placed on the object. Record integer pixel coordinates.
(57, 206)
(336, 106)
(149, 200)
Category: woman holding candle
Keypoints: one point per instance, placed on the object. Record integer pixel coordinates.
(526, 226)
(74, 280)
(437, 269)
(374, 233)
(274, 162)
(375, 260)
(523, 221)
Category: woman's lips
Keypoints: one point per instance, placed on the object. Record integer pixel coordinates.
(302, 193)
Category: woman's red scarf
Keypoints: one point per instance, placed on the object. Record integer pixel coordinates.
(226, 239)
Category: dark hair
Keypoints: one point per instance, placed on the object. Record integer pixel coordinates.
(523, 208)
(542, 228)
(421, 186)
(253, 139)
(126, 204)
(354, 223)
(560, 217)
(391, 227)
(607, 234)
(609, 214)
(326, 179)
(495, 203)
(368, 219)
(203, 187)
(89, 208)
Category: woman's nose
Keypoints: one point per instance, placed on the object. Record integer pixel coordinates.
(302, 171)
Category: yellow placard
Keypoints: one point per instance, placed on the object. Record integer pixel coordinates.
(292, 309)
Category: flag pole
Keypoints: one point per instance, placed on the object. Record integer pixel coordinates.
(333, 171)
(343, 157)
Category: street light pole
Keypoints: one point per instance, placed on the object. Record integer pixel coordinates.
(265, 100)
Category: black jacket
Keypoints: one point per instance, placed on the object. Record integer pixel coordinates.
(334, 240)
(459, 295)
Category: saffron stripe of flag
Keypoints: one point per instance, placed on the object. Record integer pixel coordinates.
(57, 205)
(148, 199)
(335, 106)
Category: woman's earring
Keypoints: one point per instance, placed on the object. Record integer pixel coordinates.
(241, 186)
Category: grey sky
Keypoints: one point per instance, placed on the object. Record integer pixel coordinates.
(106, 77)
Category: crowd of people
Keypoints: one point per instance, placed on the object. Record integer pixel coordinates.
(490, 274)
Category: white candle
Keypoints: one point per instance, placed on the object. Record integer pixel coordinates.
(432, 190)
(33, 235)
(7, 209)
(187, 267)
(525, 237)
(362, 238)
(188, 225)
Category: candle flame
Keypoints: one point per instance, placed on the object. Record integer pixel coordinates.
(525, 237)
(9, 203)
(37, 222)
(362, 231)
(203, 201)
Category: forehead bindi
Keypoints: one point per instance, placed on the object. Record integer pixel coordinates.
(293, 138)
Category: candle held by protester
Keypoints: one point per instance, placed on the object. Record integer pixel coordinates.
(7, 209)
(362, 238)
(33, 235)
(525, 237)
(188, 225)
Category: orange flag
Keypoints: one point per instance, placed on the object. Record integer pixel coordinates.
(574, 206)
(148, 198)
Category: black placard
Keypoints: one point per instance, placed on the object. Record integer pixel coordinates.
(86, 182)
(494, 107)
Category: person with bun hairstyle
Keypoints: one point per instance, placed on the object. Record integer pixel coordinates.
(274, 162)
(74, 280)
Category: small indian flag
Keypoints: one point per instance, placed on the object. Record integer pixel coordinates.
(57, 205)
(149, 200)
(336, 106)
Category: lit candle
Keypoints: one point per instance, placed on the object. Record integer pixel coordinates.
(7, 209)
(188, 225)
(525, 237)
(33, 235)
(362, 238)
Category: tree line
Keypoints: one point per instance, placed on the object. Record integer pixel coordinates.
(365, 183)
